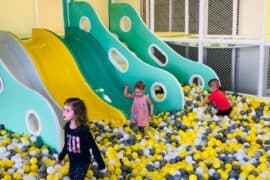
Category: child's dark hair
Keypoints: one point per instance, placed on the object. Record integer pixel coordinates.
(79, 109)
(217, 82)
(140, 85)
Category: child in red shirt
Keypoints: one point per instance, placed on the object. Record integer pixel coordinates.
(218, 97)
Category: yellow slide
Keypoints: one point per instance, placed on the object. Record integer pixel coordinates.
(62, 77)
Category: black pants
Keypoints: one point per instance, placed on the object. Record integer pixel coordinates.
(225, 112)
(78, 171)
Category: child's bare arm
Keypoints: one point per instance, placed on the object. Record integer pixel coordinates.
(205, 101)
(151, 106)
(126, 94)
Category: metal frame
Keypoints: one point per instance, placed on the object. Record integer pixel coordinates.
(186, 16)
(262, 51)
(170, 15)
(152, 15)
(202, 38)
(36, 13)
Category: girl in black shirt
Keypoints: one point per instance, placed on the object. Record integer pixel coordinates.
(78, 140)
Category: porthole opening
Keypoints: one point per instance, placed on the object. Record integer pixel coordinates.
(1, 85)
(157, 54)
(33, 123)
(118, 60)
(158, 92)
(197, 81)
(85, 24)
(125, 24)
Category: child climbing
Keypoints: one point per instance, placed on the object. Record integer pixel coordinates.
(78, 140)
(218, 97)
(139, 110)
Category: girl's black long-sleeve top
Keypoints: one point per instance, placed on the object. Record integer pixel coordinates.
(78, 143)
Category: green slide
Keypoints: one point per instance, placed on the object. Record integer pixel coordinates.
(127, 24)
(107, 65)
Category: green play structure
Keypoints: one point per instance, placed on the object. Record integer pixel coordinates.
(24, 110)
(106, 61)
(108, 65)
(129, 27)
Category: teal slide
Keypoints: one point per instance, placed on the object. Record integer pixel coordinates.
(127, 24)
(26, 111)
(107, 65)
(26, 105)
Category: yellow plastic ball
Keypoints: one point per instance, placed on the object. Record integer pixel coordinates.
(139, 178)
(117, 164)
(2, 163)
(3, 132)
(6, 141)
(26, 168)
(111, 168)
(135, 155)
(114, 177)
(7, 177)
(34, 168)
(216, 164)
(63, 170)
(183, 153)
(90, 173)
(25, 138)
(17, 175)
(228, 166)
(33, 174)
(243, 175)
(196, 156)
(117, 171)
(189, 167)
(50, 177)
(33, 160)
(205, 176)
(9, 163)
(224, 175)
(192, 177)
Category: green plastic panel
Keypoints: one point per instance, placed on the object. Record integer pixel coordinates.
(91, 47)
(127, 24)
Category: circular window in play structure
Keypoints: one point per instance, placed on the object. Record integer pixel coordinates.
(1, 85)
(125, 24)
(85, 24)
(158, 55)
(158, 92)
(196, 80)
(33, 123)
(118, 60)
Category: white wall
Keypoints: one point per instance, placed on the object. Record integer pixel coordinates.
(250, 18)
(20, 16)
(248, 64)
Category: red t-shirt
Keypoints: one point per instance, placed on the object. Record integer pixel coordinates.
(218, 97)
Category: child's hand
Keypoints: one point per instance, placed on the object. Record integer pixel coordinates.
(126, 86)
(204, 102)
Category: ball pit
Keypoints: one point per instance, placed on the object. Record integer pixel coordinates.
(191, 144)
